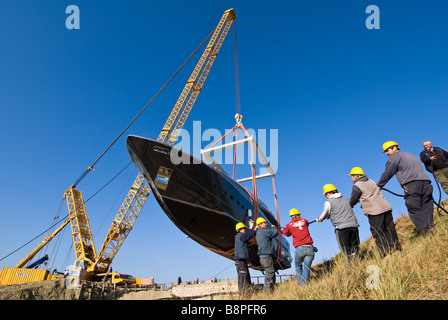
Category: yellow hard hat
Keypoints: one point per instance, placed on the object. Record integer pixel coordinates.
(328, 188)
(260, 220)
(356, 170)
(294, 212)
(389, 144)
(239, 226)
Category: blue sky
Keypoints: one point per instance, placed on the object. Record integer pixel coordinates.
(333, 89)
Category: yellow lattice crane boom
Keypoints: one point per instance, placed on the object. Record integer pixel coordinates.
(122, 224)
(194, 84)
(81, 232)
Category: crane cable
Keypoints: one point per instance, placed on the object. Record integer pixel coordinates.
(238, 112)
(57, 223)
(48, 230)
(91, 167)
(237, 77)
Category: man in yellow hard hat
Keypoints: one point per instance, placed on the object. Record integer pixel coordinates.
(337, 208)
(377, 210)
(416, 184)
(303, 243)
(266, 251)
(242, 254)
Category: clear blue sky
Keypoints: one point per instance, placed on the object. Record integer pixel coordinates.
(335, 91)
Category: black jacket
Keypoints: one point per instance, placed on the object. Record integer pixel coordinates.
(242, 246)
(425, 155)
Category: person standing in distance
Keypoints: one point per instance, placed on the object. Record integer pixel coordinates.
(415, 182)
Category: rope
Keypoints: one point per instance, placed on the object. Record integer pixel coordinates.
(400, 195)
(395, 194)
(441, 207)
(438, 186)
(440, 194)
(90, 168)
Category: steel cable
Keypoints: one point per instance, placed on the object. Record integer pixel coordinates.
(138, 115)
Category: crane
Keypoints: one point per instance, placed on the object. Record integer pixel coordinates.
(132, 205)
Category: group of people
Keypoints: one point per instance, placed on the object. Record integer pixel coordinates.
(266, 252)
(339, 209)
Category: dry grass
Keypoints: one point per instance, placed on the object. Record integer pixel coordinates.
(418, 272)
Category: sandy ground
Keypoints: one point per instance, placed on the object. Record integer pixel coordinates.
(87, 290)
(57, 290)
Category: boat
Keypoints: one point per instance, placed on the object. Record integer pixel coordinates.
(204, 202)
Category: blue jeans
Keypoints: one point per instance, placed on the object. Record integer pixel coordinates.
(303, 258)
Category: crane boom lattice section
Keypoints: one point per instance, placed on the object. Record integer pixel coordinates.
(196, 81)
(123, 222)
(82, 236)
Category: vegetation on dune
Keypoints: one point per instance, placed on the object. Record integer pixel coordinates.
(418, 272)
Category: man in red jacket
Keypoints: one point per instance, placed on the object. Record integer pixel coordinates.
(302, 241)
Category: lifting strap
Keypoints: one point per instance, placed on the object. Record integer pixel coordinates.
(279, 249)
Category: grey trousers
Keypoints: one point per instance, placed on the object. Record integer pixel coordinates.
(269, 273)
(243, 275)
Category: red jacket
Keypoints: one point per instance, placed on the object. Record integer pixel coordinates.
(298, 229)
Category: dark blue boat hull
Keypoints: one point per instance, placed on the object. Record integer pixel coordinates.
(202, 201)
